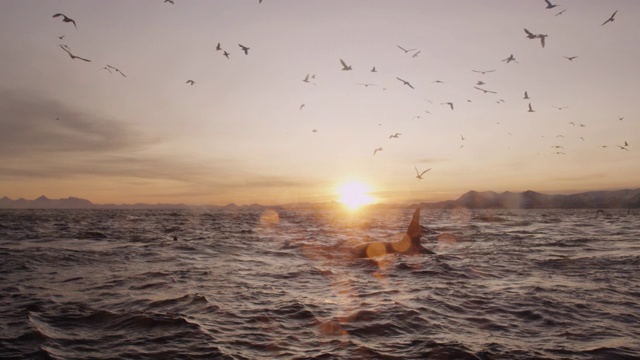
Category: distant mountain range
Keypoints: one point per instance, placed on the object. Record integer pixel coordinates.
(470, 200)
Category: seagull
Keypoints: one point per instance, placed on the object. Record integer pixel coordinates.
(625, 144)
(405, 82)
(485, 91)
(570, 58)
(394, 135)
(169, 1)
(542, 37)
(376, 150)
(61, 37)
(374, 69)
(218, 47)
(557, 146)
(623, 148)
(416, 54)
(117, 70)
(190, 82)
(438, 81)
(620, 118)
(419, 174)
(66, 48)
(572, 123)
(560, 13)
(314, 130)
(105, 68)
(244, 48)
(530, 35)
(480, 83)
(530, 108)
(483, 72)
(549, 5)
(510, 59)
(366, 84)
(301, 106)
(225, 53)
(306, 79)
(610, 19)
(560, 107)
(345, 66)
(526, 96)
(448, 103)
(405, 50)
(462, 137)
(66, 19)
(560, 153)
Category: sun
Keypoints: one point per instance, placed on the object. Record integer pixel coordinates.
(354, 194)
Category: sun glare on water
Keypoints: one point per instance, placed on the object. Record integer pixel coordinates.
(354, 194)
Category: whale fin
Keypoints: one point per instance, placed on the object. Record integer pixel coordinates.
(414, 229)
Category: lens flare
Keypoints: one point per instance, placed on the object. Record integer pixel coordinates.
(354, 194)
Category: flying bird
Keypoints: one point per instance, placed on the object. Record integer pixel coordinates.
(448, 103)
(485, 91)
(510, 59)
(117, 70)
(542, 37)
(376, 150)
(169, 1)
(549, 4)
(405, 50)
(526, 96)
(438, 81)
(374, 69)
(610, 19)
(66, 19)
(366, 84)
(218, 47)
(61, 37)
(570, 58)
(419, 174)
(530, 108)
(394, 135)
(301, 106)
(66, 48)
(225, 53)
(560, 13)
(416, 54)
(244, 48)
(530, 35)
(560, 107)
(485, 71)
(190, 82)
(405, 82)
(480, 83)
(345, 66)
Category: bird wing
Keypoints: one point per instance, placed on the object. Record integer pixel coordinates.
(403, 49)
(542, 40)
(424, 171)
(548, 2)
(529, 32)
(58, 14)
(344, 64)
(409, 85)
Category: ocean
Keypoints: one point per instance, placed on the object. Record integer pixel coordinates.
(280, 284)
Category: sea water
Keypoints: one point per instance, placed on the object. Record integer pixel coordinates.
(280, 284)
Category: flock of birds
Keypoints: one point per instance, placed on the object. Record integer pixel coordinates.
(414, 52)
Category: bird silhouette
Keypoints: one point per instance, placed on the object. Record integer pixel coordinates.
(419, 174)
(226, 54)
(405, 50)
(376, 150)
(169, 1)
(483, 72)
(396, 135)
(244, 48)
(560, 13)
(374, 69)
(542, 38)
(530, 108)
(66, 48)
(530, 35)
(560, 107)
(416, 54)
(218, 47)
(526, 96)
(366, 84)
(301, 106)
(448, 103)
(405, 82)
(345, 67)
(610, 19)
(66, 19)
(190, 82)
(549, 4)
(570, 58)
(117, 70)
(510, 59)
(485, 91)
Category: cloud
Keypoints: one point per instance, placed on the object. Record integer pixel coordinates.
(30, 124)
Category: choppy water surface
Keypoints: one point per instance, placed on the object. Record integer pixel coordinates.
(279, 284)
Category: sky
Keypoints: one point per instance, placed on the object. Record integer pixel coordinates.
(240, 133)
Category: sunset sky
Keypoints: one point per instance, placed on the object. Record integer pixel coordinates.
(72, 128)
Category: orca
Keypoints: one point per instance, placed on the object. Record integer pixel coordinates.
(408, 245)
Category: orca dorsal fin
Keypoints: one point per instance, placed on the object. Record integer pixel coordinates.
(414, 227)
